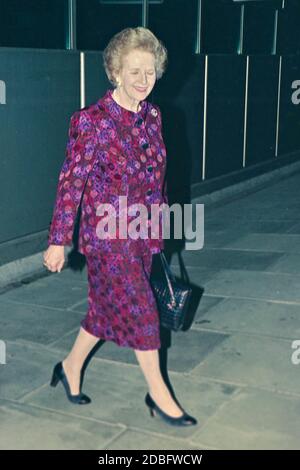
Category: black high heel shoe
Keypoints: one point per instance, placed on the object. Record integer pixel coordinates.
(184, 420)
(59, 375)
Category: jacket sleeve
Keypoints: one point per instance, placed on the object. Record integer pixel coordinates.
(79, 159)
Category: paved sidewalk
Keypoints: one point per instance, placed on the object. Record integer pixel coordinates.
(232, 369)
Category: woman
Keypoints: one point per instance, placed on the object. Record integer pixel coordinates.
(115, 148)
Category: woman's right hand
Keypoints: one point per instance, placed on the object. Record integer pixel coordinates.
(54, 257)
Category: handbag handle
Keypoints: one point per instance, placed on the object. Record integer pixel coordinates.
(169, 275)
(183, 271)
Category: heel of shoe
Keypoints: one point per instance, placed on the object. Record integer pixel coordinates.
(152, 412)
(55, 379)
(149, 405)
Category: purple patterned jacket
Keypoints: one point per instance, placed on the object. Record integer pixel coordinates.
(111, 151)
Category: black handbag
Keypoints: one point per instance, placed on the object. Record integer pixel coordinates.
(172, 297)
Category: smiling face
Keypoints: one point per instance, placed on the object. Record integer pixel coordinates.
(137, 77)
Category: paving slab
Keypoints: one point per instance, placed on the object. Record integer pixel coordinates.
(254, 420)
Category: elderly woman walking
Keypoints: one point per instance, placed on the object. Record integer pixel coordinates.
(115, 148)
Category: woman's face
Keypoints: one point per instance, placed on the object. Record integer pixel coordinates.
(138, 74)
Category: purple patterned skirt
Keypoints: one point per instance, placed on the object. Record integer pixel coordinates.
(121, 304)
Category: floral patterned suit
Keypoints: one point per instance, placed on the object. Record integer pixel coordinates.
(114, 152)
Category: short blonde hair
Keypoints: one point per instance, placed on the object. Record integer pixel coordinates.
(124, 42)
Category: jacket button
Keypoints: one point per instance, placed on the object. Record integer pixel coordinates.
(145, 145)
(150, 168)
(149, 191)
(139, 122)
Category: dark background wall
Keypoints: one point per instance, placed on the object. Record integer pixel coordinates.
(226, 98)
